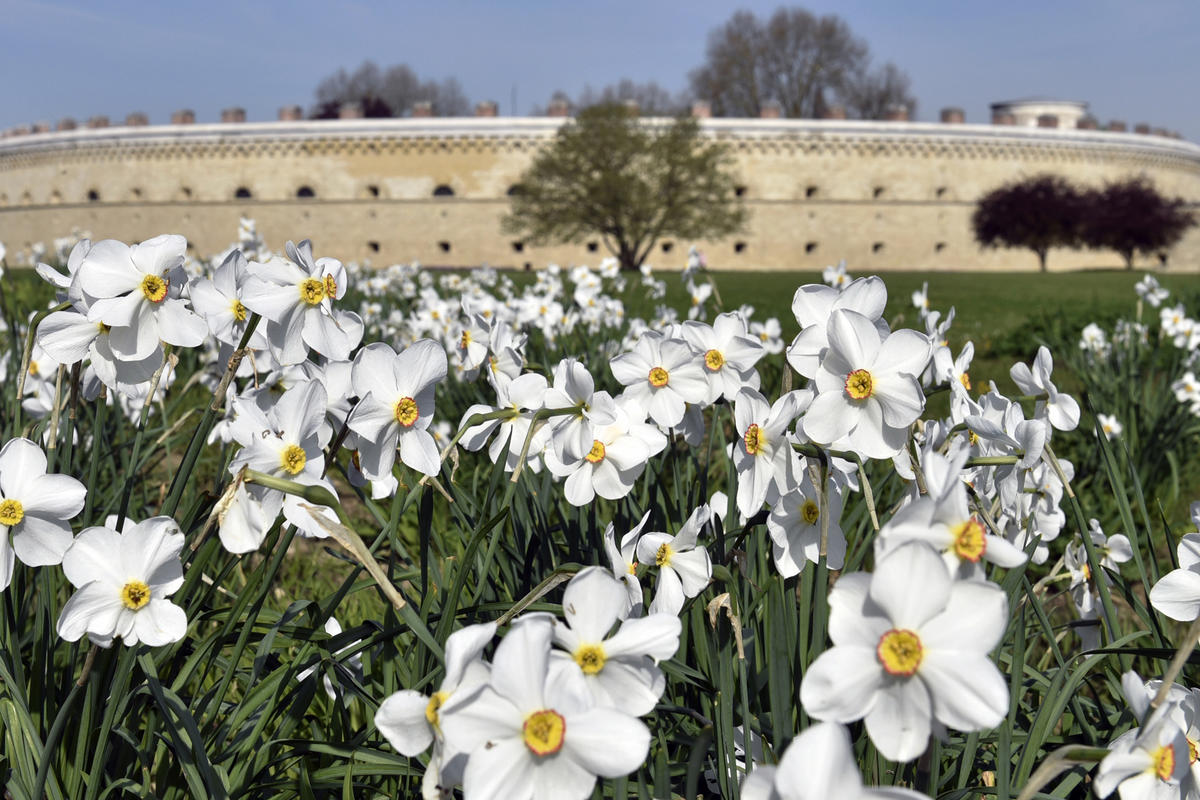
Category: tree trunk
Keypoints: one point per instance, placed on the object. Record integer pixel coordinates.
(1128, 256)
(627, 257)
(1041, 254)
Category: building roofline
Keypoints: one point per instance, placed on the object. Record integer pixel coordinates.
(545, 127)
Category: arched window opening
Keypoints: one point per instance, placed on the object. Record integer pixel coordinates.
(443, 191)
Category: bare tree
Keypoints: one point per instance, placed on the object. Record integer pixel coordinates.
(870, 94)
(652, 100)
(794, 58)
(389, 93)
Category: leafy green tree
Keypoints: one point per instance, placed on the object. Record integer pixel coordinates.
(631, 183)
(1131, 217)
(1038, 213)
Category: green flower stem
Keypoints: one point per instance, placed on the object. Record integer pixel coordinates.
(27, 355)
(175, 494)
(98, 420)
(131, 473)
(55, 416)
(1110, 611)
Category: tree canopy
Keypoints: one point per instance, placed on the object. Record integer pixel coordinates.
(798, 59)
(1131, 217)
(1037, 213)
(630, 183)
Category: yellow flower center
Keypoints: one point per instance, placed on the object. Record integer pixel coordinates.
(1164, 762)
(754, 439)
(632, 567)
(103, 328)
(714, 360)
(431, 710)
(293, 459)
(134, 595)
(238, 310)
(11, 512)
(1193, 751)
(464, 340)
(970, 541)
(899, 652)
(33, 368)
(663, 557)
(330, 287)
(658, 377)
(312, 291)
(596, 454)
(810, 511)
(972, 438)
(965, 380)
(859, 384)
(544, 732)
(406, 411)
(154, 288)
(590, 658)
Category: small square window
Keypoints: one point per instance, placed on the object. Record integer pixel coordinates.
(593, 247)
(810, 192)
(940, 192)
(373, 190)
(373, 246)
(739, 191)
(877, 247)
(444, 246)
(877, 192)
(739, 247)
(810, 247)
(939, 247)
(667, 246)
(518, 247)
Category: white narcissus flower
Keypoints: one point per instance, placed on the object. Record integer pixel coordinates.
(286, 442)
(729, 354)
(532, 733)
(943, 520)
(135, 291)
(571, 434)
(296, 296)
(1177, 594)
(684, 568)
(123, 582)
(813, 304)
(1110, 425)
(910, 646)
(219, 300)
(764, 459)
(624, 563)
(396, 406)
(411, 721)
(620, 671)
(795, 527)
(867, 389)
(617, 456)
(522, 397)
(1147, 762)
(34, 509)
(1061, 409)
(818, 765)
(662, 375)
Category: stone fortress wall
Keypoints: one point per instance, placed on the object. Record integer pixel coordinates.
(882, 195)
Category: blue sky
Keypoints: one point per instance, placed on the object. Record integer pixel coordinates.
(1134, 61)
